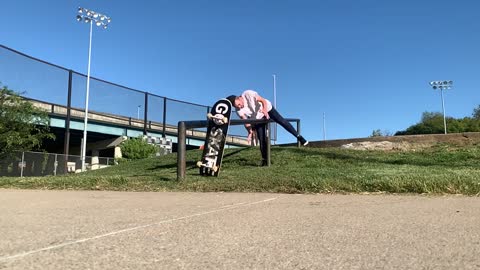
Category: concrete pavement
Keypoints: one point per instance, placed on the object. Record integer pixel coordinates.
(136, 230)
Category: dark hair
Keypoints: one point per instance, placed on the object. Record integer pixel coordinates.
(232, 99)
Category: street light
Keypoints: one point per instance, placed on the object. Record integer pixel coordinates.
(89, 16)
(442, 85)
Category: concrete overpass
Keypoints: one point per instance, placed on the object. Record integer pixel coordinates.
(104, 131)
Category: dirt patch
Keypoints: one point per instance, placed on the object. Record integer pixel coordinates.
(384, 145)
(402, 143)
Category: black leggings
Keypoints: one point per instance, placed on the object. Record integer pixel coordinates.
(275, 116)
(262, 128)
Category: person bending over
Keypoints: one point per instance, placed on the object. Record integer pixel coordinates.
(250, 105)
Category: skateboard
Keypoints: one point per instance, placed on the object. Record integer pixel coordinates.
(217, 129)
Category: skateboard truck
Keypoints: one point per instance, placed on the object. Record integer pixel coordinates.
(219, 118)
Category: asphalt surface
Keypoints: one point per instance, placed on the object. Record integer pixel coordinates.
(128, 230)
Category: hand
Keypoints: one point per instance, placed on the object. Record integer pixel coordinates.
(250, 136)
(265, 112)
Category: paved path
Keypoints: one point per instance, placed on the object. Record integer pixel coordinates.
(128, 230)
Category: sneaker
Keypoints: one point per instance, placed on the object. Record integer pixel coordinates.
(302, 140)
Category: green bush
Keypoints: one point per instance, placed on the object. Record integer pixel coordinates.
(137, 148)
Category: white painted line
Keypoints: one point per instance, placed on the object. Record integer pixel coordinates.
(223, 208)
(235, 204)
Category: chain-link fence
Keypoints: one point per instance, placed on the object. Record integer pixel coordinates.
(59, 86)
(22, 164)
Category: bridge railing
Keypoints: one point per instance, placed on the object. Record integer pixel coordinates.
(125, 123)
(182, 146)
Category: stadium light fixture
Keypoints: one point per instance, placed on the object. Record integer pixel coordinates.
(89, 16)
(442, 85)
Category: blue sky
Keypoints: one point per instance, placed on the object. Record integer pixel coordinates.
(365, 64)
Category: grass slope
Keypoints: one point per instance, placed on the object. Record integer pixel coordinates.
(439, 170)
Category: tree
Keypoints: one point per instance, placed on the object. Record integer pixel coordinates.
(379, 133)
(429, 117)
(376, 133)
(432, 123)
(476, 113)
(22, 125)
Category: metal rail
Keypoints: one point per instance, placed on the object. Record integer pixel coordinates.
(182, 136)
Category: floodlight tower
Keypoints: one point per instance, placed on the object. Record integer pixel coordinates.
(442, 85)
(101, 20)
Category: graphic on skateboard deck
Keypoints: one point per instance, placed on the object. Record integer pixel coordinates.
(218, 123)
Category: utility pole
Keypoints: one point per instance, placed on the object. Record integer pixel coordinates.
(324, 130)
(275, 105)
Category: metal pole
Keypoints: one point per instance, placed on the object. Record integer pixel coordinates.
(23, 164)
(66, 146)
(164, 116)
(55, 166)
(324, 131)
(443, 108)
(275, 104)
(85, 121)
(181, 151)
(268, 145)
(298, 131)
(145, 114)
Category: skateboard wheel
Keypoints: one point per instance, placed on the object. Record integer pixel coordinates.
(199, 164)
(209, 115)
(215, 168)
(225, 120)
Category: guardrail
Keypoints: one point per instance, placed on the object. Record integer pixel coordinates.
(182, 134)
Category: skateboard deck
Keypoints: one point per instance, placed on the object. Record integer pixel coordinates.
(217, 129)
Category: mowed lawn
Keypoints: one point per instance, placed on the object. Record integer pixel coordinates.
(441, 169)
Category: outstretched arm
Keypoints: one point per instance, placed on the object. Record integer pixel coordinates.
(249, 129)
